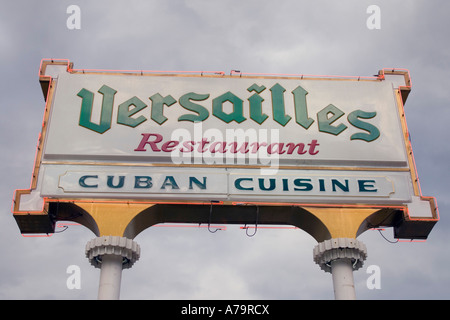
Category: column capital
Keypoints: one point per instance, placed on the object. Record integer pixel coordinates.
(128, 249)
(339, 248)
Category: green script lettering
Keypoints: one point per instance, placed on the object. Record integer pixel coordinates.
(237, 113)
(106, 113)
(127, 113)
(373, 132)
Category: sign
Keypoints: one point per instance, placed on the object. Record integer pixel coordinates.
(223, 120)
(210, 137)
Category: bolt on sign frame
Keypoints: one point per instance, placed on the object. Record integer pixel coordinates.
(121, 151)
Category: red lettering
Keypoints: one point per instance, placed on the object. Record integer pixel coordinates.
(257, 145)
(156, 143)
(188, 145)
(169, 145)
(291, 147)
(312, 147)
(201, 146)
(279, 148)
(152, 144)
(222, 148)
(242, 149)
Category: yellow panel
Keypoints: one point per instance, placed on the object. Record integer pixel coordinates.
(112, 218)
(342, 222)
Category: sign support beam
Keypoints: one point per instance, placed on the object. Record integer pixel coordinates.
(343, 283)
(340, 256)
(111, 254)
(110, 277)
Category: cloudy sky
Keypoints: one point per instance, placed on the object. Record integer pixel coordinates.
(282, 36)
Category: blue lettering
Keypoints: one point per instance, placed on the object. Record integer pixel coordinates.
(263, 187)
(143, 182)
(82, 182)
(201, 185)
(365, 184)
(170, 181)
(111, 180)
(335, 183)
(237, 184)
(303, 185)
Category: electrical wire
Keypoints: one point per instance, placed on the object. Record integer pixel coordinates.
(256, 224)
(209, 220)
(65, 228)
(386, 238)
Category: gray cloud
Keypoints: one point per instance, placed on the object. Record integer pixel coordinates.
(322, 37)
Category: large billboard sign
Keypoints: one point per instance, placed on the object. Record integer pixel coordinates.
(229, 138)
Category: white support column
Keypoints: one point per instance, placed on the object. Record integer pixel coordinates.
(111, 254)
(340, 257)
(110, 277)
(343, 284)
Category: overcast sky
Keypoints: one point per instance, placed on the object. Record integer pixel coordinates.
(282, 36)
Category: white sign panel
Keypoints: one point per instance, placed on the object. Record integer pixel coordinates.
(223, 120)
(301, 186)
